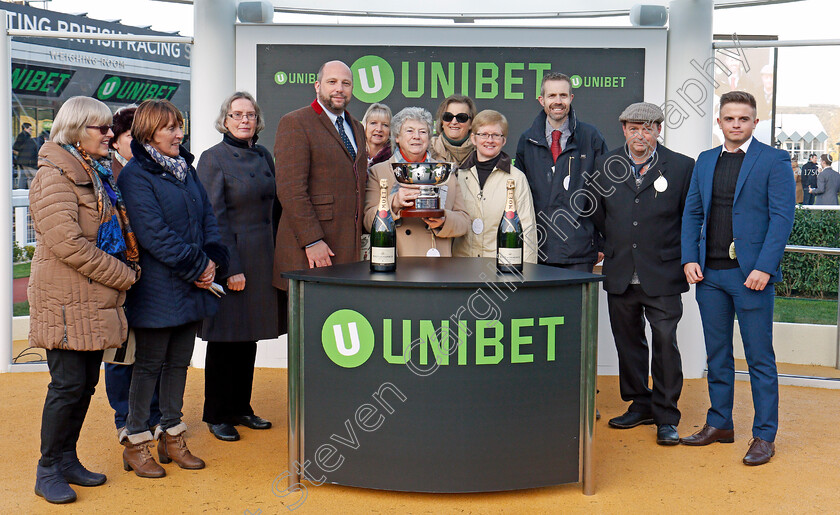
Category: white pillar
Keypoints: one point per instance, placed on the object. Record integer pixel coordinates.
(212, 68)
(688, 104)
(689, 92)
(5, 197)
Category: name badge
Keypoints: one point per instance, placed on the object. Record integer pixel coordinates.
(433, 253)
(566, 181)
(660, 184)
(732, 254)
(477, 225)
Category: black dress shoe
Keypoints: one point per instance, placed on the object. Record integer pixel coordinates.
(709, 435)
(631, 419)
(225, 432)
(252, 421)
(666, 434)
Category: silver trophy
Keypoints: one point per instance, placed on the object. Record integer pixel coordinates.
(428, 176)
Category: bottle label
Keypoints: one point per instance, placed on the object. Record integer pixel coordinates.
(383, 255)
(510, 256)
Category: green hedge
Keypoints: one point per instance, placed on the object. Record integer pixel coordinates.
(811, 275)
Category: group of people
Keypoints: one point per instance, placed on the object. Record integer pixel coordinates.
(660, 221)
(819, 183)
(140, 241)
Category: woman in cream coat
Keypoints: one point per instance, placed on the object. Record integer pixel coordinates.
(411, 129)
(483, 182)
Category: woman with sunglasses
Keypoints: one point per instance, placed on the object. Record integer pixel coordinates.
(85, 258)
(483, 180)
(454, 120)
(431, 237)
(238, 175)
(180, 251)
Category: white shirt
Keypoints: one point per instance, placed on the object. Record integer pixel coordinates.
(743, 147)
(347, 128)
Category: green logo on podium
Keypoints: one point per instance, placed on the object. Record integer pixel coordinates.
(347, 338)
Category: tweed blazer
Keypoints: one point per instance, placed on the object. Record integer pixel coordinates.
(320, 187)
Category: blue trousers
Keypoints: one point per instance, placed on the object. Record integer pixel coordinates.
(117, 383)
(721, 295)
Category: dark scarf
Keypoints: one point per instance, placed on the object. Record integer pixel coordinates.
(115, 235)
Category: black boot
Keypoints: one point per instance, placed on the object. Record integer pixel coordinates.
(76, 474)
(51, 485)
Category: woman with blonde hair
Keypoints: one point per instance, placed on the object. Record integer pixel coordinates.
(85, 258)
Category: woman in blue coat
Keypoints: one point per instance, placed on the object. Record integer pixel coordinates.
(180, 251)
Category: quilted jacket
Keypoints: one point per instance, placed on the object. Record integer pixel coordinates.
(76, 291)
(177, 233)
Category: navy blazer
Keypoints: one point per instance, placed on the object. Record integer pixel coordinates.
(177, 232)
(762, 212)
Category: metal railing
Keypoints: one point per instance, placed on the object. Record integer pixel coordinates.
(825, 251)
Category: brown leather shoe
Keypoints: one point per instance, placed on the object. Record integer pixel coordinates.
(709, 435)
(138, 457)
(174, 448)
(760, 452)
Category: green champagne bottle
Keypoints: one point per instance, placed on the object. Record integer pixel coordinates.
(383, 235)
(509, 237)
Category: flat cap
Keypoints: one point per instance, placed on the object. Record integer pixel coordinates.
(642, 112)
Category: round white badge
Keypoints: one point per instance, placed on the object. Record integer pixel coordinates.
(477, 225)
(566, 181)
(433, 253)
(660, 184)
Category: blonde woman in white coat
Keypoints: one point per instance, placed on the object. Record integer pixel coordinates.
(483, 178)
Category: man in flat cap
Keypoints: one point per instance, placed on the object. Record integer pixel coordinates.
(639, 191)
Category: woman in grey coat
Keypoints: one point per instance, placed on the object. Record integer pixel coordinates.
(238, 175)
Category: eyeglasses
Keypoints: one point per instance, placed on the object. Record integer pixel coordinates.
(237, 117)
(103, 129)
(490, 136)
(461, 117)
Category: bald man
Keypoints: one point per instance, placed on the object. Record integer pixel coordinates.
(321, 172)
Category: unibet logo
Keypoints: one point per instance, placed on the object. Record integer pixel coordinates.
(347, 338)
(576, 81)
(108, 88)
(280, 78)
(373, 79)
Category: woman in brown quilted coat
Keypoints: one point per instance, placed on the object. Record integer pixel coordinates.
(85, 258)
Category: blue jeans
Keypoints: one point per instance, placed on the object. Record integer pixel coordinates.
(117, 385)
(161, 353)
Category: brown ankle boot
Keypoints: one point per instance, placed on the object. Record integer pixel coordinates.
(138, 457)
(174, 448)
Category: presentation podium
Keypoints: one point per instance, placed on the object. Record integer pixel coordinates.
(444, 376)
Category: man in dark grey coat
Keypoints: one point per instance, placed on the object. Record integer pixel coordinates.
(639, 191)
(828, 184)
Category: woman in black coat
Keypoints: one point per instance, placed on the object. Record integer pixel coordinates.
(238, 175)
(180, 252)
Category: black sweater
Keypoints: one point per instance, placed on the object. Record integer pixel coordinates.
(719, 231)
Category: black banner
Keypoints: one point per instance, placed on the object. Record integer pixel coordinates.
(604, 80)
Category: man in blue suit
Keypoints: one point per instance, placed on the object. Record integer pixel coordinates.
(738, 216)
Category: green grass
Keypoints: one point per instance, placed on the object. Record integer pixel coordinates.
(20, 309)
(805, 311)
(21, 270)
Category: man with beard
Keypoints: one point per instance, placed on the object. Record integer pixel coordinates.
(640, 214)
(321, 172)
(557, 153)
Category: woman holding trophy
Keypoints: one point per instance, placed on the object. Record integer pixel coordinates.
(427, 229)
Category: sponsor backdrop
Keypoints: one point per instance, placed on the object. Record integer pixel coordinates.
(502, 411)
(604, 80)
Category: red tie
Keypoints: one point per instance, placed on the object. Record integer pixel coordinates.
(555, 144)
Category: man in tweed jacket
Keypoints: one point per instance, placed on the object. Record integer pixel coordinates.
(321, 172)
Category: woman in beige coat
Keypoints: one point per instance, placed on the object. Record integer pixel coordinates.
(410, 130)
(85, 258)
(483, 182)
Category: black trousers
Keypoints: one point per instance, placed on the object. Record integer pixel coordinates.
(163, 353)
(578, 267)
(627, 318)
(228, 378)
(73, 378)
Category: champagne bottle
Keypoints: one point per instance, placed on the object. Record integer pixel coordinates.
(383, 235)
(509, 237)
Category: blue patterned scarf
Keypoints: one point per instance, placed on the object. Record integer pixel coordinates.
(177, 166)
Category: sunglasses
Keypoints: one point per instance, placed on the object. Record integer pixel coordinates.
(103, 129)
(461, 117)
